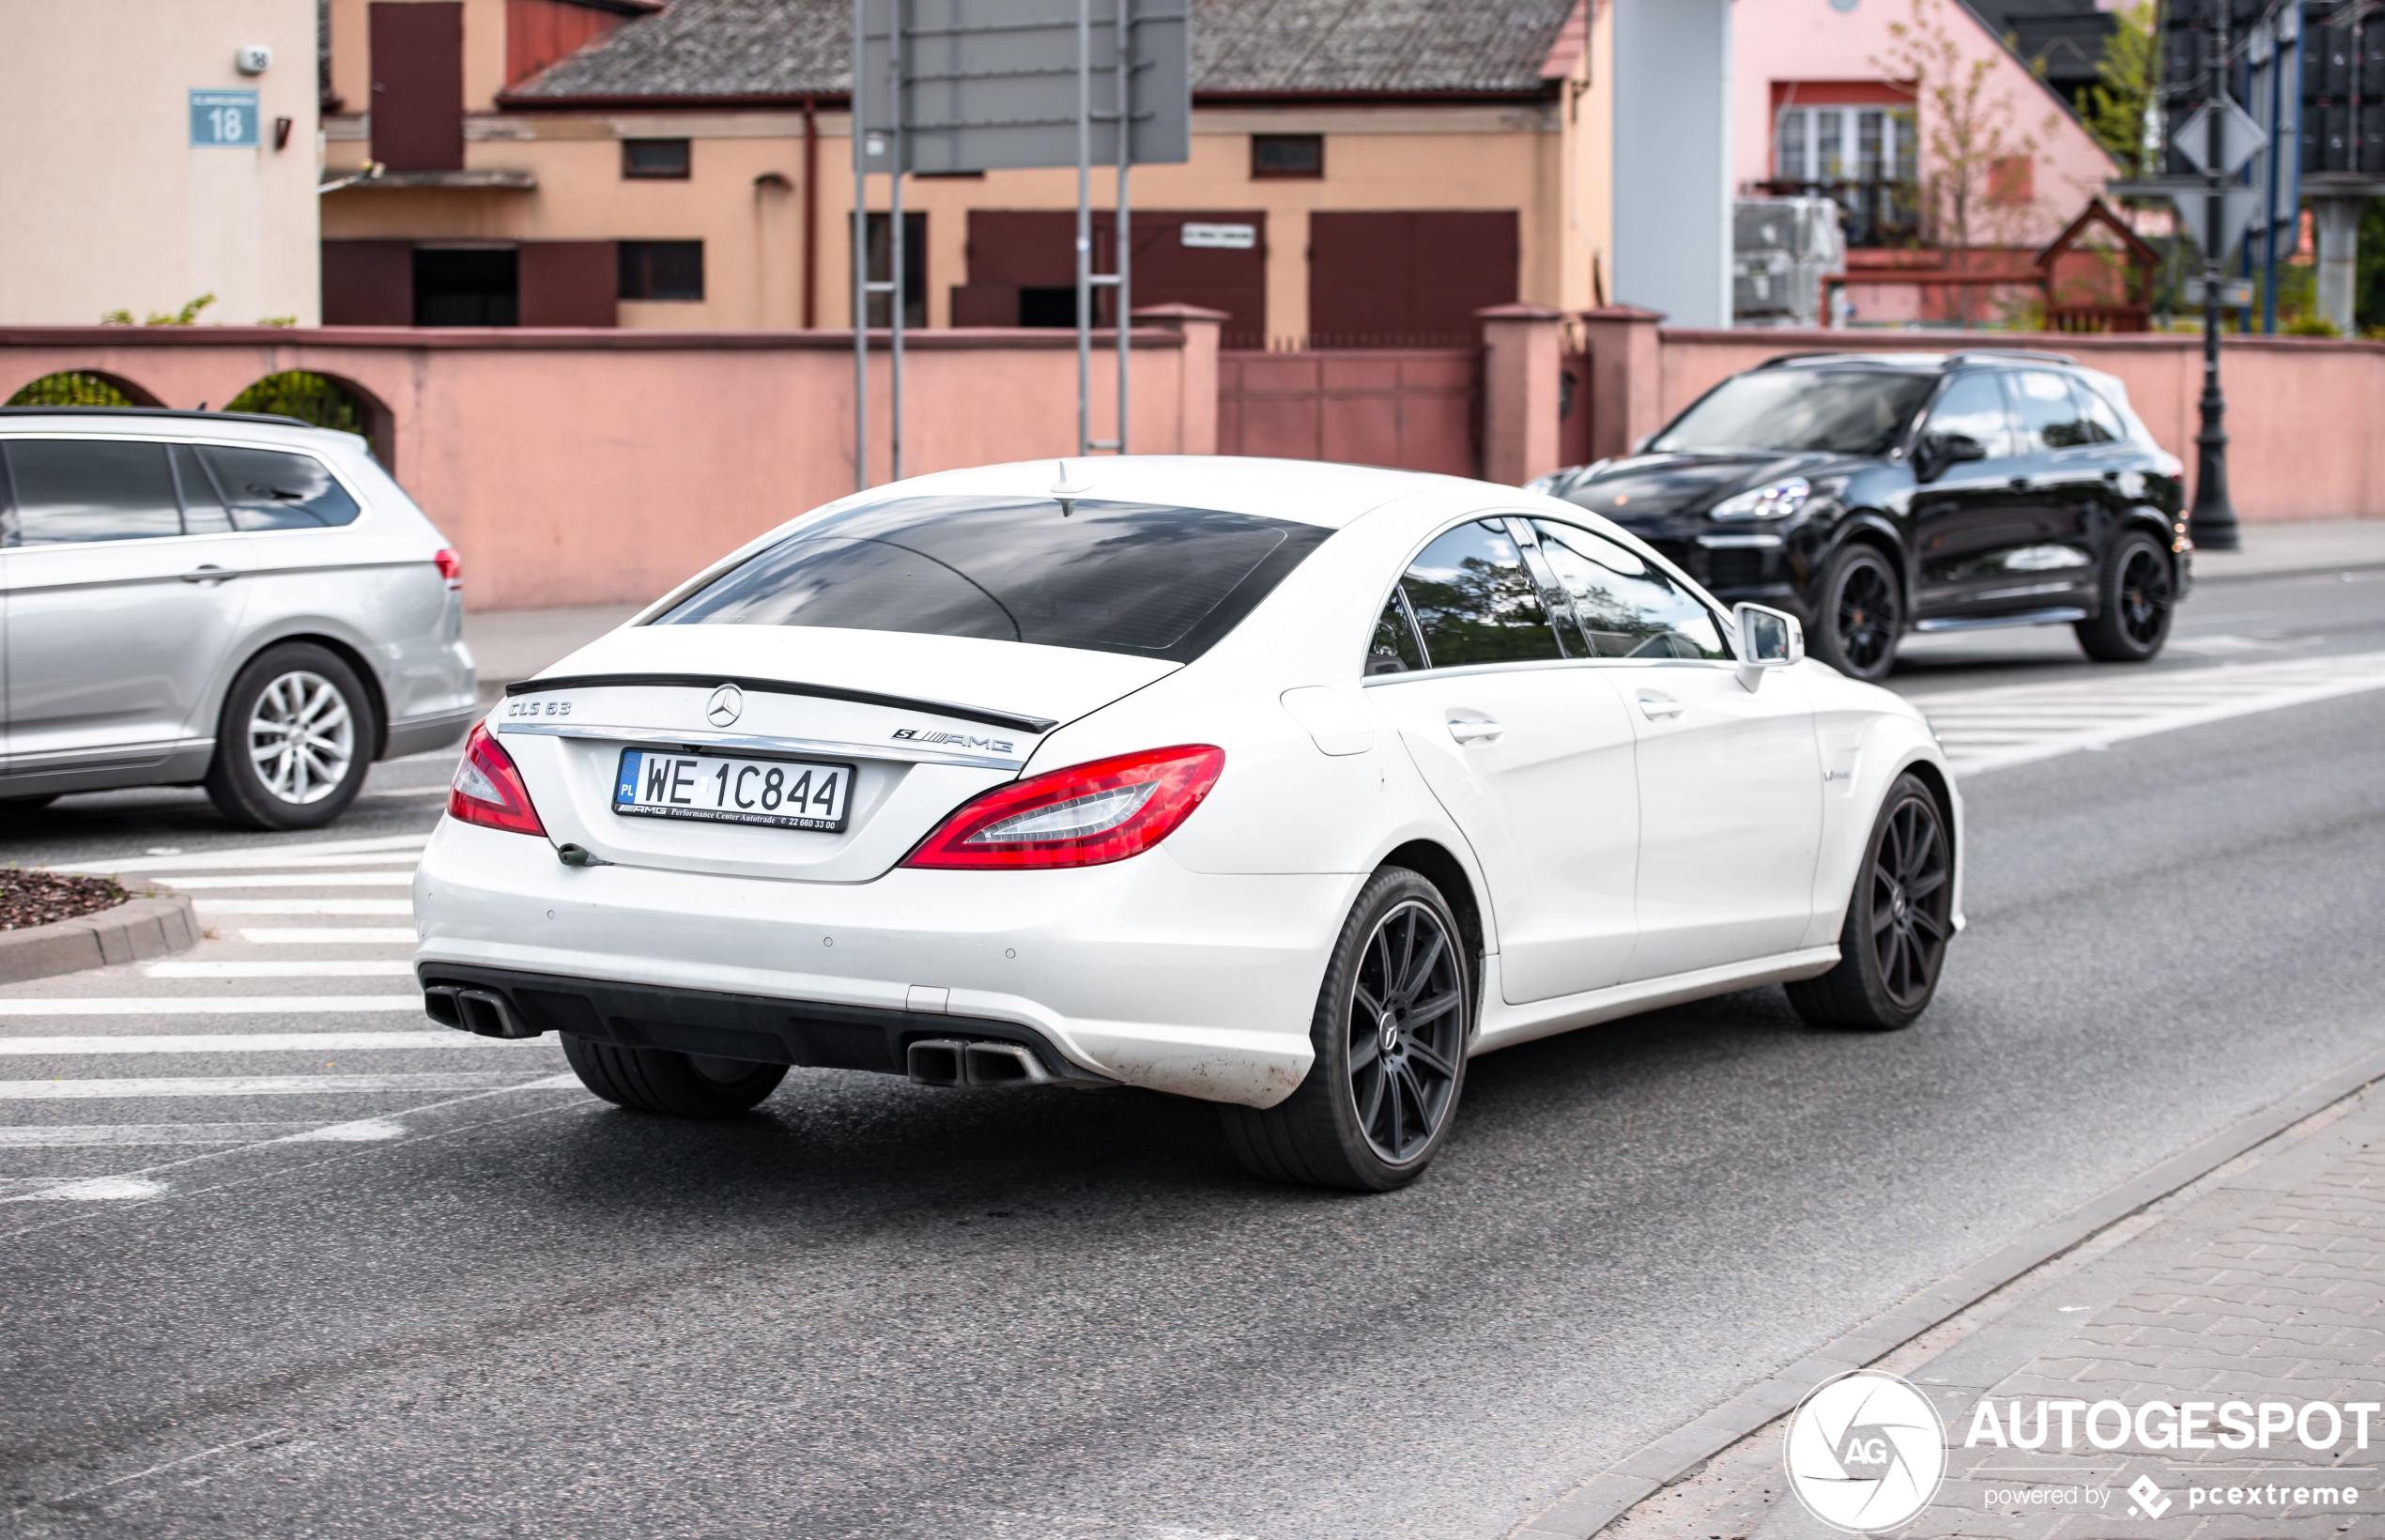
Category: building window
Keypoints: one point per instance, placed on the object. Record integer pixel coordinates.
(1865, 156)
(915, 269)
(662, 270)
(654, 160)
(1288, 156)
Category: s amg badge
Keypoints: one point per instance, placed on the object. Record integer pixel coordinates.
(727, 704)
(961, 740)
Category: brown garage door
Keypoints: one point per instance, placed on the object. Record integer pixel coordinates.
(1023, 271)
(1407, 278)
(418, 85)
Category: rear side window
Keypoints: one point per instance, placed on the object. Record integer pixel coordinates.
(2102, 424)
(1144, 578)
(1626, 606)
(71, 490)
(1974, 407)
(2049, 413)
(269, 489)
(1475, 601)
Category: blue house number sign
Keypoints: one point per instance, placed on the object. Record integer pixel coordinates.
(224, 118)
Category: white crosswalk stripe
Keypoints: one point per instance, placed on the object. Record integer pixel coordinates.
(2019, 724)
(102, 1162)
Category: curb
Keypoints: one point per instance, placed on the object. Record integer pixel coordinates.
(133, 930)
(1593, 1504)
(2310, 569)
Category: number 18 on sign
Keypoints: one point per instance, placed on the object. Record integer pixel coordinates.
(223, 119)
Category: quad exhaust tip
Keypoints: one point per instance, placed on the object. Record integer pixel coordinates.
(974, 1066)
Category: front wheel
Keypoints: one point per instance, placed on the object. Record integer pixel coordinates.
(1899, 920)
(295, 741)
(1392, 1023)
(676, 1085)
(2139, 598)
(1861, 614)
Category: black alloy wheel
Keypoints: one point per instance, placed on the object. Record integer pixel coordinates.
(1392, 1023)
(2139, 599)
(1862, 614)
(1899, 921)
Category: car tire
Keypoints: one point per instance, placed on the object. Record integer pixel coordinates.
(2140, 596)
(1893, 946)
(258, 781)
(1861, 614)
(675, 1084)
(1378, 1102)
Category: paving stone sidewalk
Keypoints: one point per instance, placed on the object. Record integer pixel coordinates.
(2264, 1283)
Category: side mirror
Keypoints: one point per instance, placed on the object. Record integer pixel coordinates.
(1938, 451)
(1768, 639)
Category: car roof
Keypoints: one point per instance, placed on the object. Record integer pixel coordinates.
(256, 427)
(1305, 491)
(1915, 362)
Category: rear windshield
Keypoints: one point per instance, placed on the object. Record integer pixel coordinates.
(1846, 412)
(1131, 577)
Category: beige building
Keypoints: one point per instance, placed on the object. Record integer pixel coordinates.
(1371, 175)
(151, 153)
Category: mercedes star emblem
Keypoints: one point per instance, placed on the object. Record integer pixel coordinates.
(727, 704)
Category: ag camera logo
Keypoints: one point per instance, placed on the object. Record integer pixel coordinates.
(1866, 1452)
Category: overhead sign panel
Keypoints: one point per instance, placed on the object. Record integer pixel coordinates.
(992, 85)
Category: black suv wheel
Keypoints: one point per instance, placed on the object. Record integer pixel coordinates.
(1861, 614)
(2138, 601)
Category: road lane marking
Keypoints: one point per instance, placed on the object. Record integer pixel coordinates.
(295, 879)
(251, 1042)
(84, 1090)
(2019, 724)
(209, 907)
(167, 866)
(88, 1190)
(310, 935)
(206, 1005)
(79, 1135)
(321, 969)
(250, 855)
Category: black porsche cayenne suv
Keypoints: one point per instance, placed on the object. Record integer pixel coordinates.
(1881, 493)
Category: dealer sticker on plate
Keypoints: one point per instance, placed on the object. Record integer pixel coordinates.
(784, 794)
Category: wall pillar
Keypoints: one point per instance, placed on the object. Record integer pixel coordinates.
(1196, 421)
(1627, 377)
(1522, 382)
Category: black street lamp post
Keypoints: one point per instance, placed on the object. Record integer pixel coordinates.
(2211, 524)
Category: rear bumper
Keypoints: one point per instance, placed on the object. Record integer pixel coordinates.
(754, 1028)
(1140, 972)
(420, 734)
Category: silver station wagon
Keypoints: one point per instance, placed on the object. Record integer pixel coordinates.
(249, 604)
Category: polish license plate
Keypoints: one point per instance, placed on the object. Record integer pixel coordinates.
(716, 789)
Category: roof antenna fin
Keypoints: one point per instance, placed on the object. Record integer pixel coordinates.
(1067, 490)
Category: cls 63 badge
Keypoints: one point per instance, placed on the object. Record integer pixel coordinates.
(526, 705)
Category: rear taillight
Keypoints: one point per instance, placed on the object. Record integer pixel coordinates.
(451, 566)
(489, 791)
(1086, 815)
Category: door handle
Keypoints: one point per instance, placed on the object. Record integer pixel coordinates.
(1473, 729)
(1655, 707)
(209, 573)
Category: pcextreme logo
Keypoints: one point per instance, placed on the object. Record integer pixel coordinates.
(1866, 1452)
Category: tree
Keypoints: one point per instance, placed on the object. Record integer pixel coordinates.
(1969, 140)
(2114, 107)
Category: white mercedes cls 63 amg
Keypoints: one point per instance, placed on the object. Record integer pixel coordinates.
(1281, 785)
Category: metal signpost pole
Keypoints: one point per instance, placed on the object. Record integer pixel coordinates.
(1123, 55)
(2212, 523)
(860, 270)
(1084, 221)
(895, 272)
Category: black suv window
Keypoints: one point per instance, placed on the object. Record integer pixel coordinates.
(1626, 606)
(1843, 411)
(84, 489)
(2049, 413)
(1475, 601)
(1135, 577)
(1974, 407)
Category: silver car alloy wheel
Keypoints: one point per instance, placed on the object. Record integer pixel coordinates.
(301, 737)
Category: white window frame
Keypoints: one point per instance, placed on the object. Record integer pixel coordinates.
(1899, 142)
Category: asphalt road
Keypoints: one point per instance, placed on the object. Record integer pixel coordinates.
(876, 1309)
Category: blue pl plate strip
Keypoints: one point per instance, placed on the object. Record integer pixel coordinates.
(628, 791)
